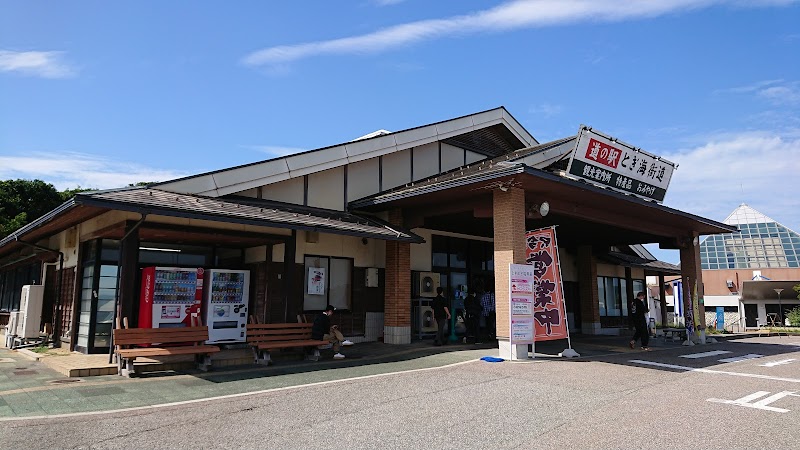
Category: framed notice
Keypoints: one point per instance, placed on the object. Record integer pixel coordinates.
(316, 281)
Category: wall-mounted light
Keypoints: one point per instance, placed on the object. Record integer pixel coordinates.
(539, 211)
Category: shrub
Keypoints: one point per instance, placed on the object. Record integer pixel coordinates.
(794, 317)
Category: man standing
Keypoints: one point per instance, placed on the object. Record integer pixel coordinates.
(638, 311)
(441, 312)
(472, 309)
(322, 329)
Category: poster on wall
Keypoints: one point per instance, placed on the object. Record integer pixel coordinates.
(520, 288)
(316, 280)
(549, 313)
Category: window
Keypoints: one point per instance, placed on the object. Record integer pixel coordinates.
(328, 280)
(612, 295)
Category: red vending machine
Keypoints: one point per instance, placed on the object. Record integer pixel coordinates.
(171, 297)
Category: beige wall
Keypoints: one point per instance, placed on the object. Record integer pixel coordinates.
(607, 270)
(715, 281)
(370, 255)
(326, 189)
(426, 161)
(288, 191)
(363, 179)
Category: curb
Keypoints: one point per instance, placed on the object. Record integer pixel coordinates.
(29, 354)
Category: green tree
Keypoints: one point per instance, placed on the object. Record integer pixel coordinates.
(22, 201)
(67, 194)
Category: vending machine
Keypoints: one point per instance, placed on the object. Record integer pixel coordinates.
(226, 299)
(171, 297)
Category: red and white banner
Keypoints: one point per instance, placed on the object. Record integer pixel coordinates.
(548, 299)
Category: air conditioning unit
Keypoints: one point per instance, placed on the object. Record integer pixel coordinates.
(31, 307)
(426, 285)
(425, 320)
(14, 321)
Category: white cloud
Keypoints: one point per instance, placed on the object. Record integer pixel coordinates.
(757, 168)
(546, 110)
(778, 92)
(275, 151)
(70, 170)
(511, 15)
(39, 64)
(387, 2)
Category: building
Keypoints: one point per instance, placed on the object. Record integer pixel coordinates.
(452, 198)
(741, 270)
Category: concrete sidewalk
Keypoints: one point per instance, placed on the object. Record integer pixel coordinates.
(30, 388)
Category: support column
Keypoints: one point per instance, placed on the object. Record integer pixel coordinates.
(509, 248)
(128, 270)
(590, 302)
(662, 295)
(397, 297)
(692, 276)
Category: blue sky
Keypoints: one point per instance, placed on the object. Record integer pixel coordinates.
(102, 94)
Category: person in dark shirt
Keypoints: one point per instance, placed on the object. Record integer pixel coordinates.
(322, 329)
(638, 311)
(441, 312)
(472, 309)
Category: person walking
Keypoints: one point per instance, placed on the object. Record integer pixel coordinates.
(638, 311)
(441, 312)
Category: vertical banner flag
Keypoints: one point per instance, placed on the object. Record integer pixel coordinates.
(521, 288)
(548, 299)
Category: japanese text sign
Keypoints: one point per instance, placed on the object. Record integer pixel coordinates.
(610, 163)
(548, 298)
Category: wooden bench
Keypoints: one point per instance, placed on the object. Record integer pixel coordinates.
(264, 337)
(161, 342)
(674, 332)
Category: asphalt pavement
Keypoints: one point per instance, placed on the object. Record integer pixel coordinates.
(738, 393)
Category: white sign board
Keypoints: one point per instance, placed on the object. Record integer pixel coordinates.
(607, 162)
(520, 289)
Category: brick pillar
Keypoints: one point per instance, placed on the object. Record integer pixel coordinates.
(692, 276)
(397, 297)
(509, 248)
(590, 299)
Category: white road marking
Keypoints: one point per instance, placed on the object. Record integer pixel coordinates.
(761, 404)
(718, 372)
(777, 363)
(705, 354)
(741, 358)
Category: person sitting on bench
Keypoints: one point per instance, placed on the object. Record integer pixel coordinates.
(323, 330)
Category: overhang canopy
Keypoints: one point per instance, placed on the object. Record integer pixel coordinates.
(583, 210)
(246, 211)
(765, 290)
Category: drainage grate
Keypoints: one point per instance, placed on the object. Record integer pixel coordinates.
(25, 372)
(100, 391)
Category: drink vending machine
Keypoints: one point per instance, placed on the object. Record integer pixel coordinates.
(226, 299)
(171, 297)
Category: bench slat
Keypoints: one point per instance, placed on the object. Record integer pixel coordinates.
(289, 344)
(156, 351)
(280, 326)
